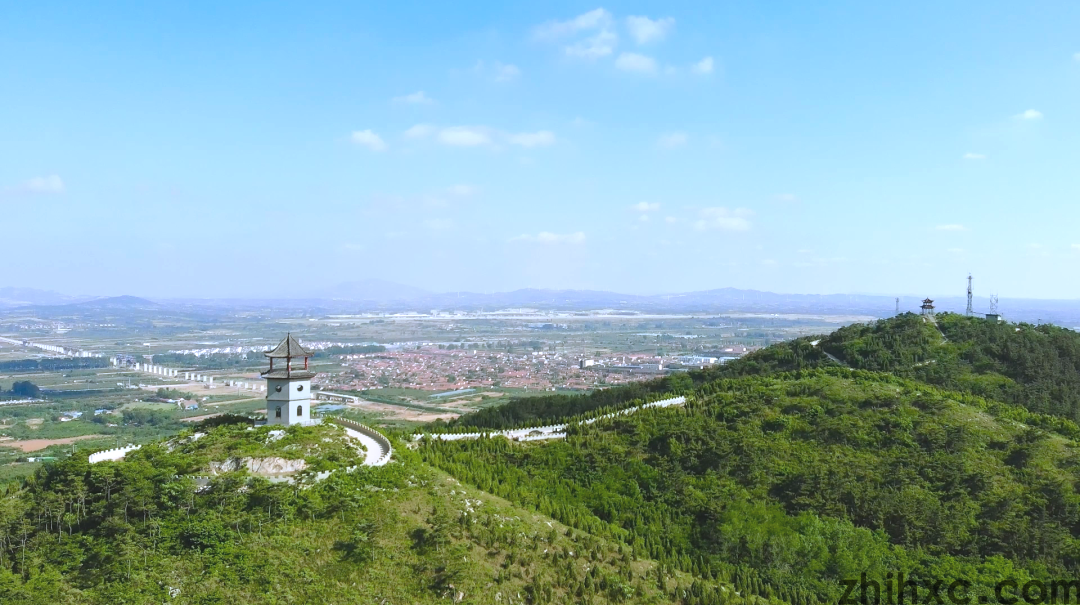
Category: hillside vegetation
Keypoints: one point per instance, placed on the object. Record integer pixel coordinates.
(946, 448)
(139, 531)
(1037, 367)
(805, 480)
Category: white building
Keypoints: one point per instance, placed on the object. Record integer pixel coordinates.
(288, 391)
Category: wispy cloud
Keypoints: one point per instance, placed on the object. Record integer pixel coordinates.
(950, 227)
(635, 63)
(463, 136)
(369, 139)
(420, 131)
(787, 197)
(505, 72)
(723, 219)
(462, 190)
(540, 138)
(645, 30)
(1030, 114)
(594, 47)
(646, 206)
(417, 98)
(439, 224)
(548, 238)
(1076, 57)
(600, 44)
(704, 66)
(51, 184)
(974, 156)
(499, 72)
(480, 136)
(595, 19)
(672, 140)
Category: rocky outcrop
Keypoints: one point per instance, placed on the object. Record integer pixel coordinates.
(264, 467)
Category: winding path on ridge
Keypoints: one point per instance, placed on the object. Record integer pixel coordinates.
(554, 431)
(375, 453)
(377, 450)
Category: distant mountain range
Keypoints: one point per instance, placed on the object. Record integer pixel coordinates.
(385, 296)
(17, 297)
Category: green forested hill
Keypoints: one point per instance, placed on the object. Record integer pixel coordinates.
(808, 479)
(1037, 367)
(134, 532)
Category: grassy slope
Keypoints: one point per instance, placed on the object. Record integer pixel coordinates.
(808, 478)
(128, 532)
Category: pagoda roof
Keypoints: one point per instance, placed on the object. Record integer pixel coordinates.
(294, 374)
(288, 347)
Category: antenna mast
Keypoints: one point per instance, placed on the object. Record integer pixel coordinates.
(897, 305)
(969, 312)
(993, 304)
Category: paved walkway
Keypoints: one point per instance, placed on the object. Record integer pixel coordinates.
(554, 431)
(375, 454)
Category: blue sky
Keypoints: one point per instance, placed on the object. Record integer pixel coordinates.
(249, 149)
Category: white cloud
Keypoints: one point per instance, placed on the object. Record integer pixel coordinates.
(646, 206)
(480, 136)
(496, 71)
(724, 219)
(464, 136)
(1076, 57)
(461, 190)
(672, 140)
(704, 66)
(420, 131)
(44, 184)
(594, 47)
(540, 138)
(1076, 246)
(439, 224)
(644, 30)
(636, 63)
(600, 44)
(417, 98)
(594, 19)
(974, 156)
(670, 220)
(1030, 114)
(506, 73)
(950, 227)
(369, 139)
(787, 197)
(548, 238)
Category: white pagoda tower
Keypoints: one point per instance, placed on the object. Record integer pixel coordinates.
(288, 391)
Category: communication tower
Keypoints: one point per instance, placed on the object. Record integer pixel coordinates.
(897, 305)
(969, 311)
(993, 315)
